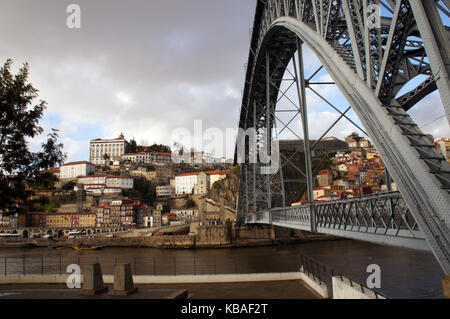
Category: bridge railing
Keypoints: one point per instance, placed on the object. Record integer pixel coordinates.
(385, 213)
(324, 275)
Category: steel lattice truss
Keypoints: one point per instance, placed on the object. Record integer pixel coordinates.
(370, 63)
(380, 219)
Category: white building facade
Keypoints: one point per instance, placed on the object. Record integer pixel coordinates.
(76, 169)
(197, 183)
(147, 158)
(113, 149)
(164, 191)
(202, 185)
(184, 213)
(104, 184)
(184, 183)
(122, 182)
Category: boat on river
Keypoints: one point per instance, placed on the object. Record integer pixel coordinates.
(87, 247)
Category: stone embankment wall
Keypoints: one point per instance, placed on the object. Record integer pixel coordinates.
(186, 241)
(200, 236)
(214, 235)
(254, 232)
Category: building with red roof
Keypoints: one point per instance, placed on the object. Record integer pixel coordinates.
(76, 169)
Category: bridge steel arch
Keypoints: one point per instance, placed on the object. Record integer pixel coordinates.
(369, 66)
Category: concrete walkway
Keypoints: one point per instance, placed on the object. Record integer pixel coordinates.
(293, 289)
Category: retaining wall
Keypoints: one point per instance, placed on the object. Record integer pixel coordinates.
(314, 283)
(183, 279)
(344, 288)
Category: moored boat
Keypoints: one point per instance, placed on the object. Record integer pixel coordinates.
(87, 247)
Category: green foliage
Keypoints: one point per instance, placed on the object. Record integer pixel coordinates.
(142, 190)
(132, 147)
(295, 191)
(160, 148)
(45, 181)
(45, 204)
(154, 148)
(190, 204)
(19, 122)
(68, 186)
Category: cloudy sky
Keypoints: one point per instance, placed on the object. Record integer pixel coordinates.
(147, 67)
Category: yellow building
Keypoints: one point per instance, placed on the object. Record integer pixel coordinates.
(371, 155)
(58, 221)
(87, 220)
(63, 220)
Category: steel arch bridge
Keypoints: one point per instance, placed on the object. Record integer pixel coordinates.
(370, 63)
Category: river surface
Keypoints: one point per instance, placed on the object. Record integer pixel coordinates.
(405, 273)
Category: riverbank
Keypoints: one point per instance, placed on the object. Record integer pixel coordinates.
(165, 242)
(406, 273)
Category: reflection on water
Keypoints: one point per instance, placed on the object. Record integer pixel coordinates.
(405, 273)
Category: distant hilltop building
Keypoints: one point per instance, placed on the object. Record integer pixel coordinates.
(443, 146)
(326, 145)
(106, 184)
(354, 141)
(148, 158)
(197, 183)
(76, 169)
(164, 191)
(111, 149)
(193, 157)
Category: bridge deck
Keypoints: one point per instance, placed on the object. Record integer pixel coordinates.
(381, 219)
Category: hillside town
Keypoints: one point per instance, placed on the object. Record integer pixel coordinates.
(121, 186)
(125, 186)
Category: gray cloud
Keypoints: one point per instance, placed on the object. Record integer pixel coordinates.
(142, 67)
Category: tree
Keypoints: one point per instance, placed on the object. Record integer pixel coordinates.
(45, 181)
(19, 122)
(132, 147)
(106, 158)
(142, 190)
(190, 204)
(159, 148)
(69, 186)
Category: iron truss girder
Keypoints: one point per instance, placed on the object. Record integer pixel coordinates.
(422, 175)
(381, 219)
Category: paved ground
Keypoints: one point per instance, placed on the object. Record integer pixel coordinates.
(254, 290)
(62, 293)
(248, 290)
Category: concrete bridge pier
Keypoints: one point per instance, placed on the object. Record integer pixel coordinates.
(93, 280)
(123, 281)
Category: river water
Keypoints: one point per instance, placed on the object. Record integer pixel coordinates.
(405, 273)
